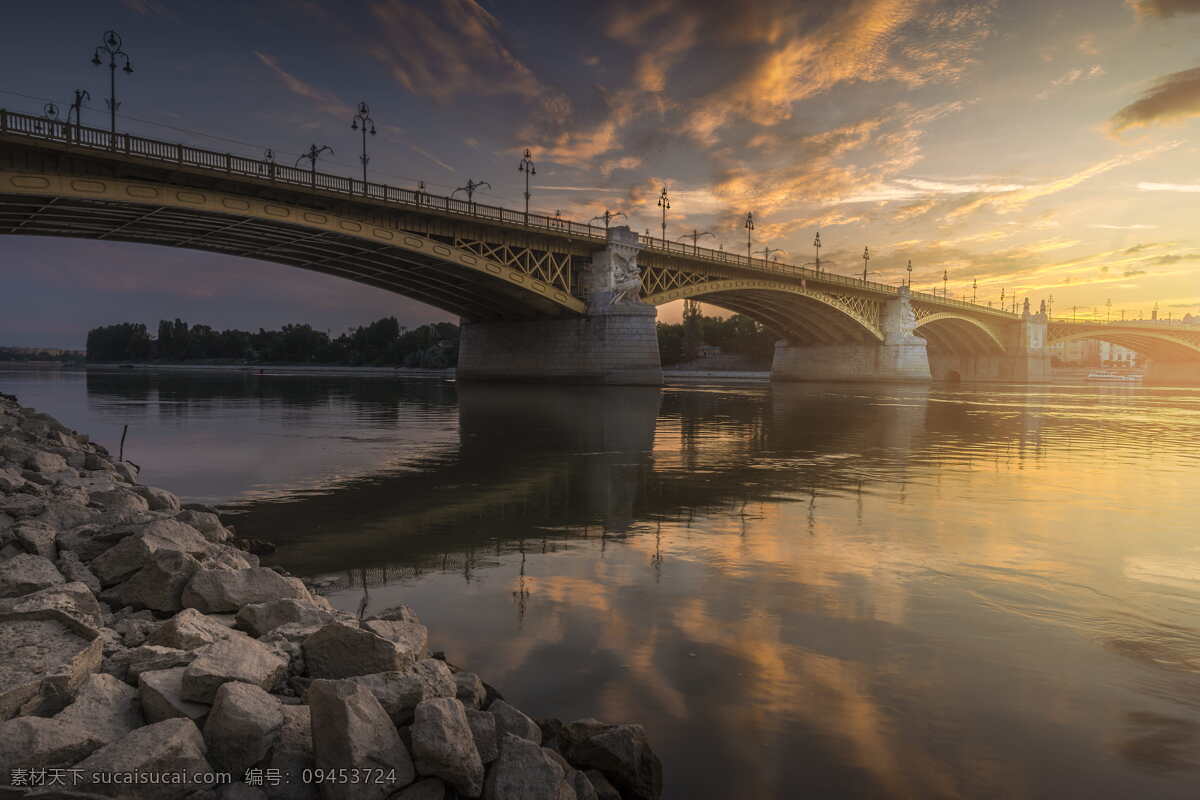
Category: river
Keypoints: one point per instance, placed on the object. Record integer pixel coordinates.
(800, 590)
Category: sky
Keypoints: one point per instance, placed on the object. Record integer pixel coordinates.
(1048, 149)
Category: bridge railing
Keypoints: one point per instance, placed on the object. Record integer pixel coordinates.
(186, 156)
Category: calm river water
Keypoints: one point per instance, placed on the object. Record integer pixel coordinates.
(804, 590)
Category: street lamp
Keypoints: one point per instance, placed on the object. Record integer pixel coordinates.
(866, 258)
(111, 46)
(470, 189)
(909, 269)
(527, 167)
(81, 96)
(749, 228)
(609, 216)
(695, 237)
(312, 155)
(974, 287)
(1108, 311)
(664, 203)
(767, 251)
(817, 245)
(945, 279)
(363, 119)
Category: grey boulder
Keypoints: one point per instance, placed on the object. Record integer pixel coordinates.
(158, 585)
(261, 618)
(161, 693)
(75, 599)
(621, 752)
(469, 689)
(339, 650)
(41, 743)
(190, 629)
(27, 573)
(242, 727)
(511, 720)
(292, 755)
(216, 591)
(132, 552)
(106, 707)
(173, 746)
(442, 745)
(412, 636)
(483, 731)
(352, 731)
(44, 657)
(525, 771)
(231, 660)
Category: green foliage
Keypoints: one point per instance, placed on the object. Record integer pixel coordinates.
(737, 334)
(383, 342)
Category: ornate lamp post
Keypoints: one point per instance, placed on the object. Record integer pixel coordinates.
(664, 203)
(866, 258)
(81, 97)
(695, 237)
(945, 280)
(767, 251)
(908, 281)
(974, 287)
(363, 120)
(749, 229)
(527, 167)
(817, 245)
(312, 155)
(470, 189)
(609, 216)
(111, 46)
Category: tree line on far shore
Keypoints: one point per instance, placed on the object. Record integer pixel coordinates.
(381, 343)
(386, 343)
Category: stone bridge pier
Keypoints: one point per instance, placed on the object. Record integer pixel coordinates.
(615, 342)
(899, 357)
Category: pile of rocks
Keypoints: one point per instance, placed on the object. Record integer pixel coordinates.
(135, 637)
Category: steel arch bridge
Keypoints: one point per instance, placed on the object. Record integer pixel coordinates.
(483, 263)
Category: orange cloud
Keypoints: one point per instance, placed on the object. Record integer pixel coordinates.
(1173, 98)
(326, 101)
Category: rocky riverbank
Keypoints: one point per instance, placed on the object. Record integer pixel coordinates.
(143, 652)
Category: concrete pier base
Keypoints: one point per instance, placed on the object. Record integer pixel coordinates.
(1172, 373)
(618, 347)
(899, 363)
(1029, 368)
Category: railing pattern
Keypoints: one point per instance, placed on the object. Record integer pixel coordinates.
(12, 123)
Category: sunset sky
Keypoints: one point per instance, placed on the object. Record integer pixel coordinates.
(1045, 148)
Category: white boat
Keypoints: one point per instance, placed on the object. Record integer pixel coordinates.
(1109, 375)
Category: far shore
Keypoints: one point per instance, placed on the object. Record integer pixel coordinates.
(675, 375)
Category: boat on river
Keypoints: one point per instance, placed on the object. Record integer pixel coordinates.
(1109, 375)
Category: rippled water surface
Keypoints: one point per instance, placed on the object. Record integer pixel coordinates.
(821, 590)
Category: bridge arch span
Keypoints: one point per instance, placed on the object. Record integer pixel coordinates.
(791, 311)
(422, 267)
(947, 331)
(1178, 346)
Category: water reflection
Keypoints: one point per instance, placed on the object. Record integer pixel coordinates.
(821, 590)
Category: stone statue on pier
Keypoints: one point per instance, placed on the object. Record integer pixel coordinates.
(1026, 310)
(614, 277)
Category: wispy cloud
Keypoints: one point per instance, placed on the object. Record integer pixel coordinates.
(1146, 186)
(1136, 227)
(1071, 77)
(1173, 98)
(325, 101)
(432, 158)
(1007, 202)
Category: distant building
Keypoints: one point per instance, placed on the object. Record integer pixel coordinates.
(1093, 353)
(708, 351)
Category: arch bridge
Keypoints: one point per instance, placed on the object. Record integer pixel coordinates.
(540, 297)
